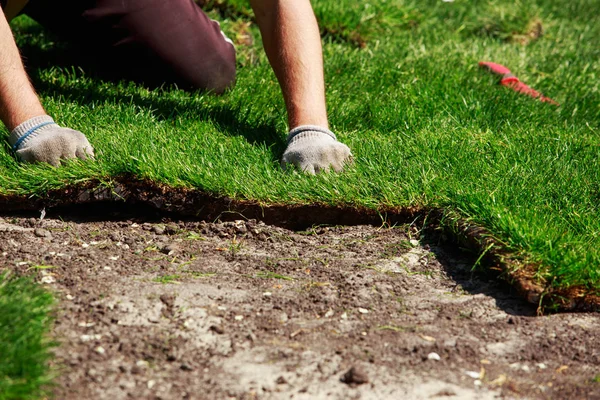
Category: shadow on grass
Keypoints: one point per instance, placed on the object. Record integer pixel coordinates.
(226, 117)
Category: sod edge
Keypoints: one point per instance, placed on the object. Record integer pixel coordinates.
(189, 203)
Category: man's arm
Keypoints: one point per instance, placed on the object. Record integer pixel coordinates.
(34, 136)
(18, 101)
(293, 45)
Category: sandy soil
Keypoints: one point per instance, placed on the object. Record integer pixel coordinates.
(161, 309)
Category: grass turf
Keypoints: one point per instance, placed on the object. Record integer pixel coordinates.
(426, 125)
(24, 344)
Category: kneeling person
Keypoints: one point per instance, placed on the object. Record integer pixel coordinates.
(172, 41)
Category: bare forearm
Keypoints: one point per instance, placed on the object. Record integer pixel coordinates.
(293, 45)
(18, 101)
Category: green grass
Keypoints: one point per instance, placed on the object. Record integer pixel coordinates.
(25, 321)
(167, 279)
(427, 126)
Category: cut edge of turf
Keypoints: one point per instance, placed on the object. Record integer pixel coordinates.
(494, 256)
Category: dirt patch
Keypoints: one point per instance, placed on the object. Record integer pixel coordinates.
(125, 191)
(169, 309)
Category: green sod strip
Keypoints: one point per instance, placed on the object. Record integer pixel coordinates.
(426, 125)
(24, 346)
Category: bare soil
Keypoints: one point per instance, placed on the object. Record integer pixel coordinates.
(153, 308)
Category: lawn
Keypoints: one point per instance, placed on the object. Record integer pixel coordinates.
(428, 128)
(24, 346)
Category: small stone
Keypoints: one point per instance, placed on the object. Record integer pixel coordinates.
(186, 367)
(473, 374)
(159, 230)
(344, 316)
(87, 338)
(267, 294)
(151, 384)
(329, 313)
(355, 376)
(39, 232)
(170, 249)
(281, 380)
(69, 297)
(434, 356)
(414, 242)
(363, 310)
(135, 370)
(238, 317)
(100, 350)
(217, 329)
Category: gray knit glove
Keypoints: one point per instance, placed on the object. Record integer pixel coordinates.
(313, 149)
(40, 139)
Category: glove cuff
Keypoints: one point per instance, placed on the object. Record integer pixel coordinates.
(22, 132)
(308, 128)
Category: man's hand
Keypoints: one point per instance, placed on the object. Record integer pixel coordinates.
(40, 139)
(313, 149)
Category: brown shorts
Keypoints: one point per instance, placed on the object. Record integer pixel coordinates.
(154, 41)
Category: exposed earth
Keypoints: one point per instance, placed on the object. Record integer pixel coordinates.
(153, 308)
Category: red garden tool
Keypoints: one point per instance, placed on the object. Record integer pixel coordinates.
(511, 81)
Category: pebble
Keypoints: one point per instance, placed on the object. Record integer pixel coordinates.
(159, 230)
(100, 350)
(238, 317)
(170, 249)
(434, 356)
(87, 338)
(217, 329)
(473, 374)
(363, 310)
(186, 367)
(39, 232)
(355, 376)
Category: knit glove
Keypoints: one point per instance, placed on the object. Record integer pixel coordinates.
(314, 149)
(40, 139)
